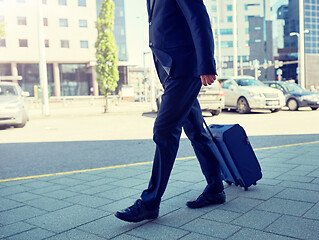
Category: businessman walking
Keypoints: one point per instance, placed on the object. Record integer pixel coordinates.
(181, 40)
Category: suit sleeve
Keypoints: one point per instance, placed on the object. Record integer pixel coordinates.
(198, 21)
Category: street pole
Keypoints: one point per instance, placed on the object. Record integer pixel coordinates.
(302, 44)
(220, 67)
(42, 63)
(235, 57)
(152, 98)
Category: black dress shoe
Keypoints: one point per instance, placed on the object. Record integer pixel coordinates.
(137, 212)
(206, 199)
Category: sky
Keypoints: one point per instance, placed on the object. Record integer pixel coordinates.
(136, 31)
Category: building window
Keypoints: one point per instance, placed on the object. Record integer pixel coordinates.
(46, 43)
(65, 44)
(251, 4)
(214, 8)
(3, 43)
(23, 43)
(45, 22)
(22, 21)
(82, 3)
(226, 44)
(84, 44)
(63, 22)
(229, 7)
(62, 2)
(226, 31)
(229, 19)
(83, 23)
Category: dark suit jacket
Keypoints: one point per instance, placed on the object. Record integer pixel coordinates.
(181, 37)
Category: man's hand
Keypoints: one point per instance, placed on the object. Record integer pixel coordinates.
(207, 79)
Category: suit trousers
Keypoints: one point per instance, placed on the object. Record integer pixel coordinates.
(179, 109)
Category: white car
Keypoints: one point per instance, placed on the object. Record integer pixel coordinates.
(244, 93)
(12, 105)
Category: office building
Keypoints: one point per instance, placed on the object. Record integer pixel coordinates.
(69, 38)
(253, 31)
(288, 13)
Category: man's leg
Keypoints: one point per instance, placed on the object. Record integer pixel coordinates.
(177, 101)
(202, 145)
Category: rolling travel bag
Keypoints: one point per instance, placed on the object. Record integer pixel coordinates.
(238, 162)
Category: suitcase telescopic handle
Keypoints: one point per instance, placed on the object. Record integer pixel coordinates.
(210, 133)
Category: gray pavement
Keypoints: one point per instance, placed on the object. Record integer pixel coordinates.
(80, 205)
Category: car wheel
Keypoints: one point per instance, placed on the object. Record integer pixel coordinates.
(292, 105)
(215, 112)
(242, 105)
(275, 110)
(314, 108)
(23, 123)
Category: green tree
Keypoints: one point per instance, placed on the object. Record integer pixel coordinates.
(106, 51)
(2, 30)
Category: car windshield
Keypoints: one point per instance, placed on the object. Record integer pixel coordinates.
(292, 87)
(8, 90)
(248, 82)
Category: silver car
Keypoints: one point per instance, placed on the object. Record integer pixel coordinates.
(244, 93)
(211, 98)
(12, 105)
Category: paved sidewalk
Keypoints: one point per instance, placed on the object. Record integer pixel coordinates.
(283, 205)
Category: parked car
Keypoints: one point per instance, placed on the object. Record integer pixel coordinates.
(244, 93)
(296, 96)
(12, 105)
(211, 98)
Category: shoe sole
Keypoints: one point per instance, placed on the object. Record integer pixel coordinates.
(136, 220)
(206, 205)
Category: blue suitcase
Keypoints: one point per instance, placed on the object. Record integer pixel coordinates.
(238, 162)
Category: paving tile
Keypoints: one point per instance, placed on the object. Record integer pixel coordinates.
(305, 160)
(256, 219)
(300, 185)
(13, 190)
(108, 227)
(25, 196)
(156, 231)
(299, 195)
(314, 174)
(78, 188)
(189, 176)
(241, 204)
(121, 173)
(118, 205)
(39, 184)
(66, 218)
(12, 229)
(19, 214)
(251, 234)
(7, 204)
(268, 181)
(33, 234)
(87, 200)
(178, 217)
(285, 206)
(67, 181)
(60, 194)
(119, 193)
(98, 189)
(197, 236)
(295, 178)
(316, 181)
(221, 215)
(313, 212)
(47, 190)
(127, 237)
(86, 177)
(261, 192)
(299, 228)
(105, 181)
(48, 204)
(129, 182)
(75, 234)
(211, 228)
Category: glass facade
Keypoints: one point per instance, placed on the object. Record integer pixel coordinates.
(311, 13)
(76, 79)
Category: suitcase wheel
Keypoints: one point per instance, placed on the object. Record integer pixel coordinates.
(229, 183)
(245, 188)
(254, 184)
